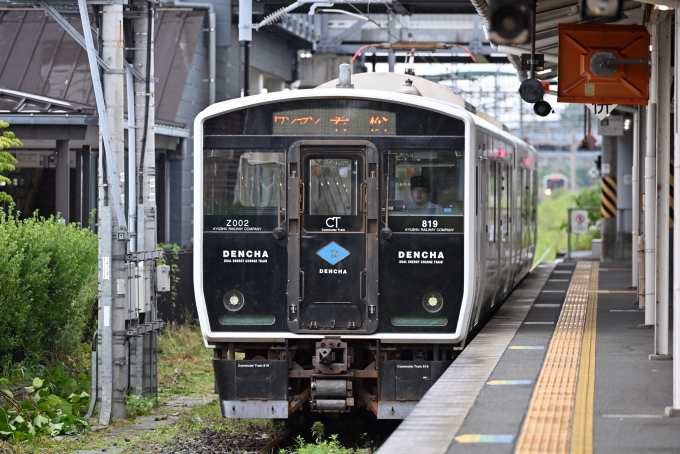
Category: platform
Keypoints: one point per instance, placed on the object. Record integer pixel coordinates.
(561, 367)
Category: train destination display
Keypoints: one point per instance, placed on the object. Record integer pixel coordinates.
(321, 122)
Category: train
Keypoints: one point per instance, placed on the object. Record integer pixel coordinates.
(350, 239)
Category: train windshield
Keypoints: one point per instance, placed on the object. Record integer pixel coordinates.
(334, 187)
(247, 185)
(424, 182)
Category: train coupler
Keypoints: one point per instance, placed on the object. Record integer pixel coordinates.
(331, 395)
(332, 356)
(331, 381)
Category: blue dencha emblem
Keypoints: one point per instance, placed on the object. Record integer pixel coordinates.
(333, 253)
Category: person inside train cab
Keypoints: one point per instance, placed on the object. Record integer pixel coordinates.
(420, 194)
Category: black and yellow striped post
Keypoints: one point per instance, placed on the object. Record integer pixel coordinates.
(609, 197)
(670, 212)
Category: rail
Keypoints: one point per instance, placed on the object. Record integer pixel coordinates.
(547, 251)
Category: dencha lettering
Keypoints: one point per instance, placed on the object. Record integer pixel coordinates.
(420, 255)
(243, 254)
(331, 271)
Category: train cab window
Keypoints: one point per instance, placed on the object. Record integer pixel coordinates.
(333, 187)
(333, 183)
(425, 185)
(243, 189)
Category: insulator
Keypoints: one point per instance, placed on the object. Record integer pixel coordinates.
(273, 17)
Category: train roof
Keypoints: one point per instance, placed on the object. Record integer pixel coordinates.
(378, 85)
(393, 82)
(428, 89)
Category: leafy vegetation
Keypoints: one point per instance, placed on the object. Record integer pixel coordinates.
(136, 405)
(590, 198)
(7, 140)
(51, 406)
(330, 446)
(48, 286)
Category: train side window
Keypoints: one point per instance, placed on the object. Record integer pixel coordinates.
(424, 182)
(244, 182)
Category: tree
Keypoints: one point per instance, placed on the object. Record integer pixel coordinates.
(7, 140)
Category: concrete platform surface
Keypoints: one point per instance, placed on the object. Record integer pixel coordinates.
(629, 394)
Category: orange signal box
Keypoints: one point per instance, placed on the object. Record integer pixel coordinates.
(603, 64)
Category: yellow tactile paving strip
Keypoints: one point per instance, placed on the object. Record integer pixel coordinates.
(547, 427)
(582, 432)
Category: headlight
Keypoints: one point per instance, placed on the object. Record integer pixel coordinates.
(233, 300)
(433, 301)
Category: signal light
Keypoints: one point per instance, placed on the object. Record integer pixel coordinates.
(509, 21)
(588, 143)
(542, 108)
(531, 90)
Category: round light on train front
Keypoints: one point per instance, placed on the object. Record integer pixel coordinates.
(233, 300)
(433, 301)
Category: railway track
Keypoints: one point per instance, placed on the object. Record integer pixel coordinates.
(277, 441)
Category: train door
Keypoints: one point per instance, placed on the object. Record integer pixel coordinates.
(505, 239)
(480, 239)
(517, 223)
(333, 243)
(493, 233)
(524, 193)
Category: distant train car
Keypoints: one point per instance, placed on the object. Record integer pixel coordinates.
(553, 182)
(349, 240)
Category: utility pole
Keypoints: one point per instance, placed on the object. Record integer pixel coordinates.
(392, 38)
(572, 156)
(127, 273)
(113, 231)
(146, 188)
(245, 36)
(497, 90)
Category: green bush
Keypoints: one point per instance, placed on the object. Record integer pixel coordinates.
(48, 285)
(52, 406)
(590, 198)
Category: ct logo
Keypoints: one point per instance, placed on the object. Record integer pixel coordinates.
(332, 222)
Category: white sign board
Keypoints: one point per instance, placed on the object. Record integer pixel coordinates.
(601, 111)
(611, 126)
(606, 168)
(579, 221)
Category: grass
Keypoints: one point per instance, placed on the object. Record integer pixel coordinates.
(552, 215)
(184, 368)
(184, 364)
(552, 230)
